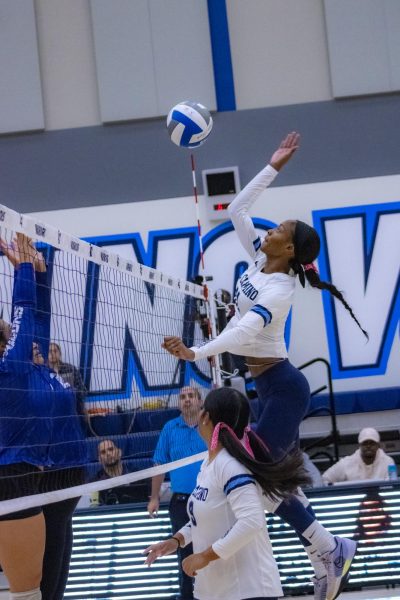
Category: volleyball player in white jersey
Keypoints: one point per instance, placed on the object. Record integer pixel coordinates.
(264, 295)
(232, 556)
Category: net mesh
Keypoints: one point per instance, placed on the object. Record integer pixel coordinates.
(83, 376)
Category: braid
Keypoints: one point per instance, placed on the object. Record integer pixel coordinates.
(315, 282)
(298, 269)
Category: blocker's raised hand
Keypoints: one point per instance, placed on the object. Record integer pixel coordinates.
(20, 250)
(287, 148)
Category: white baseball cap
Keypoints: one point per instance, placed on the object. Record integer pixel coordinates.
(368, 433)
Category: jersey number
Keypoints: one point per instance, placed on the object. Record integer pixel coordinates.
(191, 515)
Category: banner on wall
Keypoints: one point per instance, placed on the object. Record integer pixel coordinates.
(360, 253)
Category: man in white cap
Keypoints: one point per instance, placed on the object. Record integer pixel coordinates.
(368, 462)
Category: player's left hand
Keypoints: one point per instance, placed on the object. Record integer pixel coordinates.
(177, 348)
(161, 549)
(194, 563)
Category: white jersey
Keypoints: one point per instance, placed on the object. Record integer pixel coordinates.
(262, 301)
(226, 512)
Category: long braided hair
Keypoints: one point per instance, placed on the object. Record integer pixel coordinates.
(306, 249)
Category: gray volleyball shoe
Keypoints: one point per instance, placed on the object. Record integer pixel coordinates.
(320, 587)
(337, 563)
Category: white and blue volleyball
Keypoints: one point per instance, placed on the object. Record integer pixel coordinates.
(189, 124)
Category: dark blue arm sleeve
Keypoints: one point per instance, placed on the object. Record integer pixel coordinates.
(17, 356)
(43, 314)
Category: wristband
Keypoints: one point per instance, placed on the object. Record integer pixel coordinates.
(177, 540)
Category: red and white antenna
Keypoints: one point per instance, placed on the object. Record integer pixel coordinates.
(196, 202)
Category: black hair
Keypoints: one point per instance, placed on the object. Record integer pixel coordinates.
(278, 479)
(307, 245)
(4, 332)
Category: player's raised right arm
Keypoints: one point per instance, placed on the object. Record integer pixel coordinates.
(239, 208)
(17, 355)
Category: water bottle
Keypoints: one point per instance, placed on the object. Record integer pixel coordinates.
(392, 472)
(94, 499)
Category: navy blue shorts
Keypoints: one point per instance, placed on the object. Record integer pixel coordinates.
(19, 479)
(283, 398)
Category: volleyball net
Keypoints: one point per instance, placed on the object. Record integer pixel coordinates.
(83, 377)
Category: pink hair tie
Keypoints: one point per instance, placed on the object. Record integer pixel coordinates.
(246, 441)
(310, 267)
(215, 435)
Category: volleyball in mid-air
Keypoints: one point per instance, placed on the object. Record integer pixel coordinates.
(189, 124)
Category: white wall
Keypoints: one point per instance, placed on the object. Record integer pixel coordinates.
(279, 52)
(69, 84)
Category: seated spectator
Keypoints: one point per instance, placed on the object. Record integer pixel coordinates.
(110, 457)
(368, 462)
(70, 374)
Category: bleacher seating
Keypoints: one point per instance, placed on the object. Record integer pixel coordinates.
(135, 433)
(133, 445)
(131, 422)
(154, 420)
(130, 466)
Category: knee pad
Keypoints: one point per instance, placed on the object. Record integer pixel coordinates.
(35, 594)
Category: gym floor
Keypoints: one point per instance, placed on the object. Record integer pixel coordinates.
(392, 594)
(371, 594)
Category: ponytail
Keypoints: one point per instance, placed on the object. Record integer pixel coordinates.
(312, 276)
(229, 411)
(306, 249)
(309, 272)
(278, 479)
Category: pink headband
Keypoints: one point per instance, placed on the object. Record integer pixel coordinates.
(246, 441)
(215, 435)
(310, 267)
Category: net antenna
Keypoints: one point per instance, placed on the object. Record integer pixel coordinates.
(108, 316)
(206, 310)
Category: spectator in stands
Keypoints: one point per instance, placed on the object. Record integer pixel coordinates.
(110, 459)
(70, 374)
(179, 439)
(368, 462)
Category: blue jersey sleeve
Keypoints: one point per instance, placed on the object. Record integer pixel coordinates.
(17, 357)
(43, 313)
